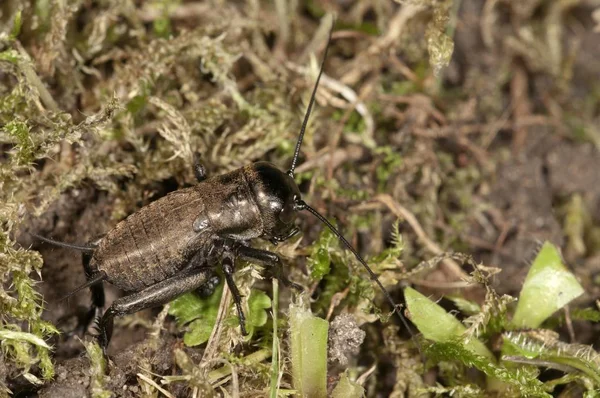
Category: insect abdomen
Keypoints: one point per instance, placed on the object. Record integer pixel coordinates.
(152, 244)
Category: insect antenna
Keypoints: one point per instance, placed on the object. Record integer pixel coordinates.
(309, 109)
(81, 248)
(302, 205)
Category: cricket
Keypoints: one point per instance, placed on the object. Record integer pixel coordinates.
(172, 245)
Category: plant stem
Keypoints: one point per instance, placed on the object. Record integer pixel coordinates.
(275, 357)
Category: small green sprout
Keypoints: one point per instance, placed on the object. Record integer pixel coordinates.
(308, 341)
(549, 286)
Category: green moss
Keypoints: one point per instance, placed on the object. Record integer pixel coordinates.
(390, 163)
(98, 367)
(24, 146)
(322, 249)
(521, 381)
(543, 347)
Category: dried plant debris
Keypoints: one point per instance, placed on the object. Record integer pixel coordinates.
(345, 339)
(440, 128)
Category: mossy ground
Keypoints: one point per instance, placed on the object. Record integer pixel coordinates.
(104, 103)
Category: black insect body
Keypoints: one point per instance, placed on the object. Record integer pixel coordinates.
(169, 247)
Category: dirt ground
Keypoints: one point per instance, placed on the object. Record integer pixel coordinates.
(493, 157)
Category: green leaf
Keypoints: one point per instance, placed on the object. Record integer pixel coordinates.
(549, 286)
(465, 306)
(199, 331)
(191, 306)
(438, 325)
(6, 335)
(258, 302)
(16, 29)
(346, 388)
(200, 311)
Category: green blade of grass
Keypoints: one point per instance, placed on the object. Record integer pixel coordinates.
(308, 337)
(275, 358)
(549, 286)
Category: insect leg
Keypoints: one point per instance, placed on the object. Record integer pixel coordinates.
(97, 295)
(157, 294)
(96, 289)
(199, 169)
(269, 259)
(228, 269)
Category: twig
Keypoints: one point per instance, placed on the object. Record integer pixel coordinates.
(215, 336)
(249, 360)
(365, 62)
(150, 13)
(335, 141)
(323, 156)
(441, 285)
(522, 106)
(362, 379)
(420, 100)
(148, 380)
(345, 91)
(235, 384)
(319, 39)
(336, 299)
(35, 80)
(569, 323)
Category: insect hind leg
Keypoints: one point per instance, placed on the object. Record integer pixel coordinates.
(157, 294)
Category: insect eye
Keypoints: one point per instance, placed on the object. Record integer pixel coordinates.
(287, 214)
